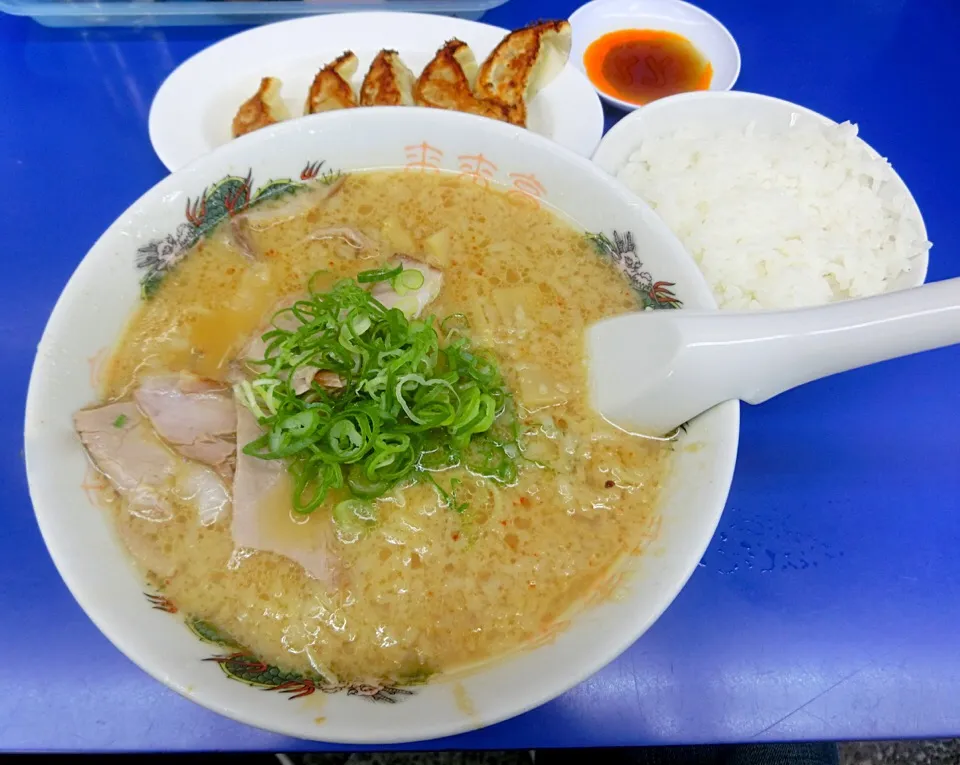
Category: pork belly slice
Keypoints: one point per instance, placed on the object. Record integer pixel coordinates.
(196, 416)
(262, 508)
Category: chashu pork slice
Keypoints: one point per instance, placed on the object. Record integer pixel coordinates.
(122, 445)
(196, 416)
(411, 302)
(127, 451)
(262, 509)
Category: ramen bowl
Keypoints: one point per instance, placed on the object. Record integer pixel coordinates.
(149, 239)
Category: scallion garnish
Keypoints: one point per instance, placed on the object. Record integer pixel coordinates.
(381, 274)
(120, 421)
(415, 400)
(354, 515)
(407, 280)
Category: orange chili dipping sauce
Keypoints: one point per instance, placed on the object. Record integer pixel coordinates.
(642, 65)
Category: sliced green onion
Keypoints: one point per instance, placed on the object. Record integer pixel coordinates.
(407, 281)
(349, 435)
(244, 392)
(354, 514)
(379, 275)
(301, 424)
(411, 405)
(264, 389)
(364, 487)
(119, 422)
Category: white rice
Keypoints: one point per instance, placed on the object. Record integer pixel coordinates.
(779, 221)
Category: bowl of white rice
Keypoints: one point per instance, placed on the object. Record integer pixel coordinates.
(780, 207)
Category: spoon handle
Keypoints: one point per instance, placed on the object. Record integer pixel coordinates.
(762, 355)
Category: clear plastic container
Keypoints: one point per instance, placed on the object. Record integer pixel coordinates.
(75, 13)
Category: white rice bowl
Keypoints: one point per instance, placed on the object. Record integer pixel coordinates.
(780, 219)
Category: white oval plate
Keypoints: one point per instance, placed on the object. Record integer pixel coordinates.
(708, 35)
(193, 110)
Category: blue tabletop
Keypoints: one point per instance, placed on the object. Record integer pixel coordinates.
(828, 604)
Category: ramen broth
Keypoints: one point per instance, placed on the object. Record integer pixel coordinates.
(426, 589)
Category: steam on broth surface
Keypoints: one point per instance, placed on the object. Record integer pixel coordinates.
(423, 588)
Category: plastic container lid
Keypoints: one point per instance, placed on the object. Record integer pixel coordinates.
(74, 13)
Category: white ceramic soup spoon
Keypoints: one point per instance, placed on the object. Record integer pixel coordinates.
(651, 371)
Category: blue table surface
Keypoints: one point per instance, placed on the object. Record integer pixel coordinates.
(828, 603)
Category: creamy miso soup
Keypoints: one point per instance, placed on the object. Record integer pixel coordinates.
(461, 530)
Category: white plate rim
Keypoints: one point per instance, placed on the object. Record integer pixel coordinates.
(178, 141)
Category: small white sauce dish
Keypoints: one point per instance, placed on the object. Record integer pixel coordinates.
(709, 36)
